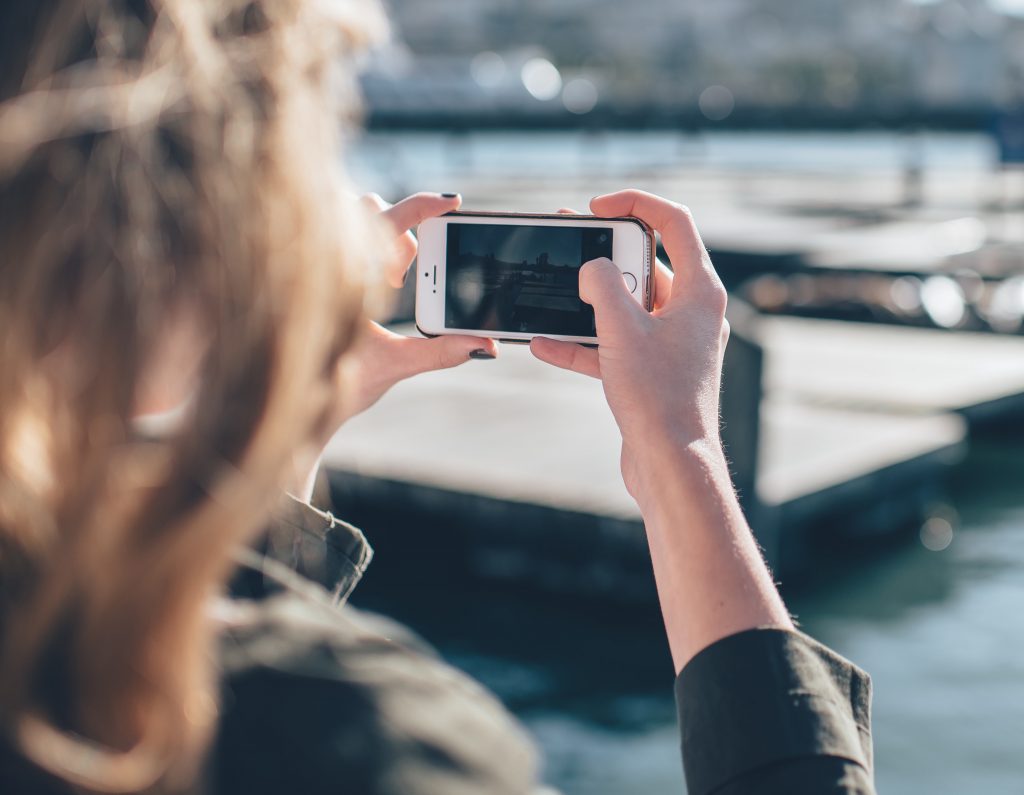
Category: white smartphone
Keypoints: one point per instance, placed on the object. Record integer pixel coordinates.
(515, 276)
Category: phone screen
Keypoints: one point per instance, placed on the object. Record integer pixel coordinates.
(503, 277)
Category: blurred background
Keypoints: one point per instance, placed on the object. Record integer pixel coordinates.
(857, 171)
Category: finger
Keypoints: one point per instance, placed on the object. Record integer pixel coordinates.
(402, 217)
(602, 286)
(567, 355)
(662, 274)
(662, 283)
(440, 353)
(679, 233)
(406, 248)
(415, 209)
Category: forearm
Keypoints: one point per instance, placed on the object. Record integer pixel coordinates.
(711, 577)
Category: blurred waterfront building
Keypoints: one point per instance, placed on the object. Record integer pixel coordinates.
(879, 58)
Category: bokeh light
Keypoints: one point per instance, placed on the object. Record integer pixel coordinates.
(1005, 308)
(488, 69)
(937, 534)
(579, 95)
(716, 103)
(943, 299)
(541, 78)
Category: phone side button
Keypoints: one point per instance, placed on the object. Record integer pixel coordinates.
(630, 280)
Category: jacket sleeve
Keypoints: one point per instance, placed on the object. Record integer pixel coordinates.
(772, 711)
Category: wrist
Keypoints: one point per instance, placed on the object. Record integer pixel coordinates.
(676, 470)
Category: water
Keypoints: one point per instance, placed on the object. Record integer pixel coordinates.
(394, 164)
(942, 634)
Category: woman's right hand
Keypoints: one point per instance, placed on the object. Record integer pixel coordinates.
(661, 370)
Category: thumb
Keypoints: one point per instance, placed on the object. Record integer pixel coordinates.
(439, 353)
(602, 286)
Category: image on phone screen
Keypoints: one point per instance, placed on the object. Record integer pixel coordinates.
(521, 278)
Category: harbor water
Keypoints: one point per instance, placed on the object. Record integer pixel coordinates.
(941, 630)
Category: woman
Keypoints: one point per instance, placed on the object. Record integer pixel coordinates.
(176, 242)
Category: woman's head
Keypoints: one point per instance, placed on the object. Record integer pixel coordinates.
(169, 169)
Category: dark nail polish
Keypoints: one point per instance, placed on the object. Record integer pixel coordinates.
(480, 353)
(449, 195)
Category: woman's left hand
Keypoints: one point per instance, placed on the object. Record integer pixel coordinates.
(382, 358)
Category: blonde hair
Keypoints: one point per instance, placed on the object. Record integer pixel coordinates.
(156, 154)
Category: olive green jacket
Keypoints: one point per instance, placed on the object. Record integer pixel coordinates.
(320, 698)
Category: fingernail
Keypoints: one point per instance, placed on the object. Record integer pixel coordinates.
(405, 278)
(480, 353)
(449, 195)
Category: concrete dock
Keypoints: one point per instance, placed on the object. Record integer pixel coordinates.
(893, 368)
(517, 462)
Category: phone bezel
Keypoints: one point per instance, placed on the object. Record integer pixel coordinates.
(432, 259)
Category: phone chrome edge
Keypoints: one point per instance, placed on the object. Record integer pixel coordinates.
(652, 256)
